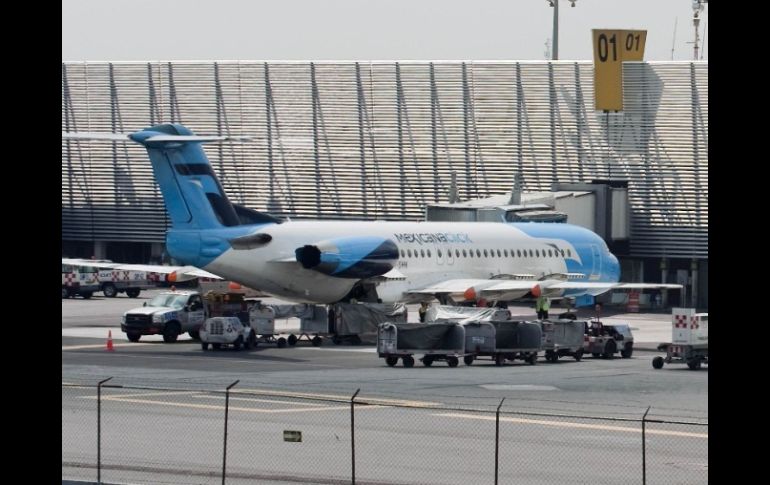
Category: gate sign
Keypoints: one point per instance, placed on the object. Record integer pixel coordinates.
(611, 48)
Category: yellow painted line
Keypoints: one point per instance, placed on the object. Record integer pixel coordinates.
(568, 424)
(145, 394)
(339, 397)
(232, 408)
(101, 346)
(250, 399)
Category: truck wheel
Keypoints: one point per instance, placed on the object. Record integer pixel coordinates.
(281, 343)
(133, 337)
(195, 334)
(468, 359)
(452, 361)
(65, 293)
(408, 361)
(499, 359)
(532, 359)
(292, 340)
(391, 360)
(238, 342)
(87, 294)
(171, 332)
(657, 362)
(133, 292)
(426, 361)
(610, 349)
(551, 356)
(693, 364)
(317, 341)
(216, 346)
(578, 355)
(204, 346)
(109, 290)
(627, 351)
(595, 355)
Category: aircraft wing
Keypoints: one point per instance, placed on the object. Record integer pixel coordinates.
(511, 289)
(183, 273)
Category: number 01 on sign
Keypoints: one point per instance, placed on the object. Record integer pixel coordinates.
(611, 48)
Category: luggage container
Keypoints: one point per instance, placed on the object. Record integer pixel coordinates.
(516, 340)
(562, 337)
(480, 339)
(262, 320)
(438, 341)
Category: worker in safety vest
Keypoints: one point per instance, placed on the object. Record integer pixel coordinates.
(542, 306)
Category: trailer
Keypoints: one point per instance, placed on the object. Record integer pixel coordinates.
(480, 340)
(516, 339)
(689, 340)
(563, 337)
(436, 341)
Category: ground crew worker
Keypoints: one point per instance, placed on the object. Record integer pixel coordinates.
(422, 311)
(542, 306)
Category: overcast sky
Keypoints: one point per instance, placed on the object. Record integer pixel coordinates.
(132, 30)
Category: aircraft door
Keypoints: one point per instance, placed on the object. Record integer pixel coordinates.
(596, 262)
(440, 254)
(449, 255)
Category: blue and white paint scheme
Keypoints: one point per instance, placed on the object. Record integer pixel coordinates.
(330, 261)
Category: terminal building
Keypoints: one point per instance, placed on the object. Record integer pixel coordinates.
(401, 141)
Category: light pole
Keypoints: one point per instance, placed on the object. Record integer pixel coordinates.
(697, 8)
(555, 5)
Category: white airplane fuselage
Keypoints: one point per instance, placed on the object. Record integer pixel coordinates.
(428, 253)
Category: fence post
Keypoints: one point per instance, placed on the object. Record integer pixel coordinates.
(353, 437)
(227, 411)
(644, 447)
(497, 438)
(99, 430)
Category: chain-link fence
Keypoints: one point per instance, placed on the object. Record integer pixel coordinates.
(121, 434)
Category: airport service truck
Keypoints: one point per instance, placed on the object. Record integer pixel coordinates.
(689, 339)
(78, 280)
(172, 313)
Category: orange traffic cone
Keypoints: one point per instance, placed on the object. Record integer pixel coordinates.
(109, 341)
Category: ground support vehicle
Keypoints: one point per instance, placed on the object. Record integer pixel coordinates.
(689, 340)
(605, 340)
(227, 332)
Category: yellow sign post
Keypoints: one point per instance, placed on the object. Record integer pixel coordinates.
(611, 48)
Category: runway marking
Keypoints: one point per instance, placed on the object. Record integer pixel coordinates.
(340, 397)
(251, 399)
(100, 346)
(232, 408)
(567, 424)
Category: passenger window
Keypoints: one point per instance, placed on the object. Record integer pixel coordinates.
(422, 253)
(550, 255)
(569, 253)
(403, 254)
(518, 252)
(478, 253)
(439, 252)
(409, 252)
(531, 254)
(505, 252)
(485, 254)
(428, 251)
(457, 252)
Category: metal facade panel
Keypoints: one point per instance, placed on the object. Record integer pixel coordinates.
(378, 140)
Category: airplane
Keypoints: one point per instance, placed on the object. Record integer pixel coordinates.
(376, 261)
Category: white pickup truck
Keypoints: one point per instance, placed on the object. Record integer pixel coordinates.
(170, 314)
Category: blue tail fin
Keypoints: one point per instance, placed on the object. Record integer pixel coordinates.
(193, 196)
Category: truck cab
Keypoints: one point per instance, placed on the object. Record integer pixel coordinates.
(170, 314)
(78, 280)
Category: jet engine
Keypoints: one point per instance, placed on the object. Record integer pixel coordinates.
(349, 257)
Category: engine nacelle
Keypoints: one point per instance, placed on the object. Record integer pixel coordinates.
(349, 257)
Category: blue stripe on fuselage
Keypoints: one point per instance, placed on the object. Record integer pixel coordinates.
(582, 240)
